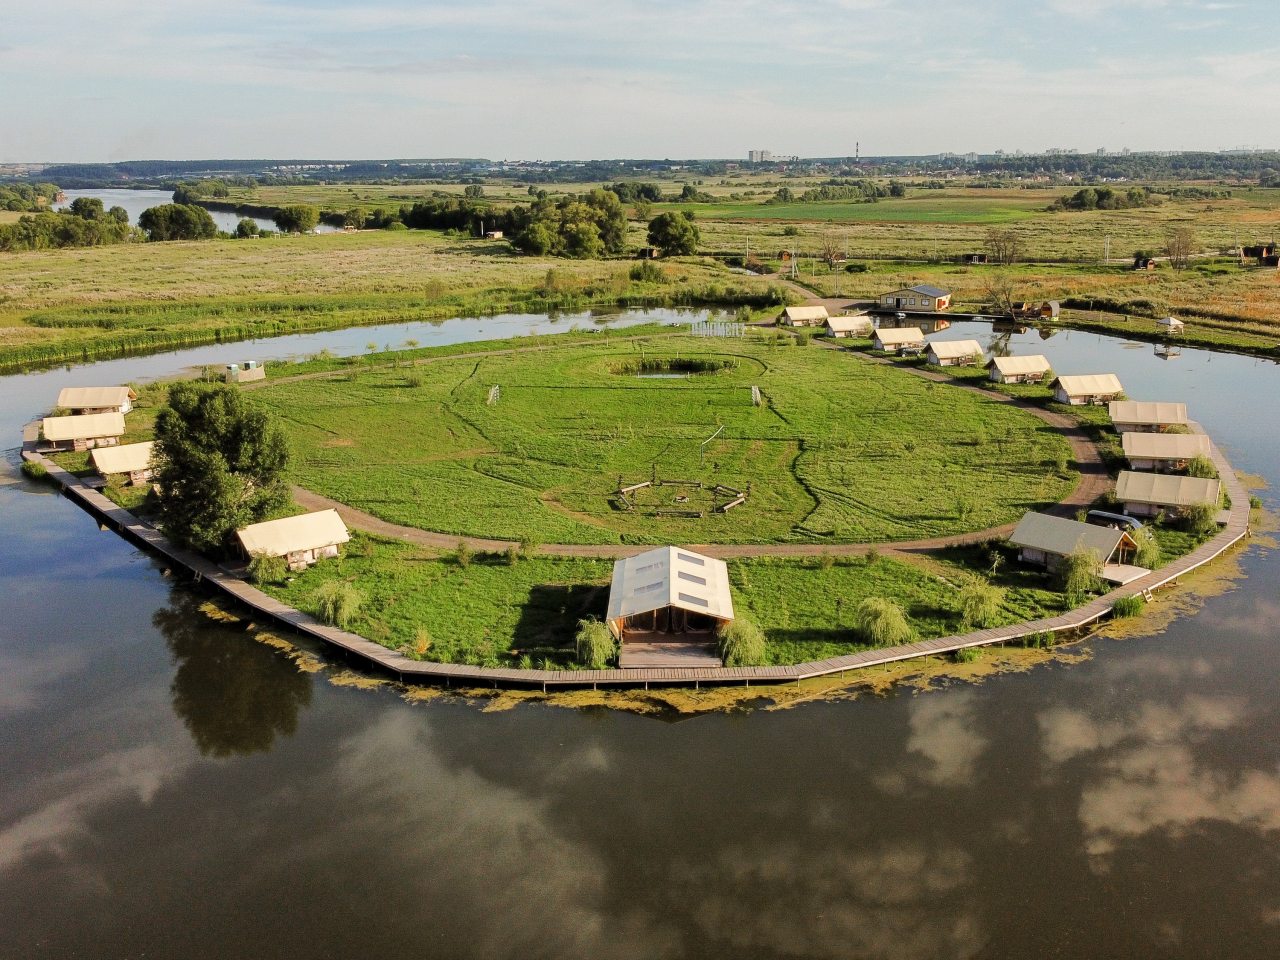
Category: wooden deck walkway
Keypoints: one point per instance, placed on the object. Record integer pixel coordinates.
(373, 654)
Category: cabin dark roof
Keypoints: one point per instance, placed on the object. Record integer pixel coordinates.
(930, 291)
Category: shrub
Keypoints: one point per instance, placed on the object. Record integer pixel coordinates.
(881, 622)
(648, 272)
(33, 470)
(421, 642)
(1148, 553)
(513, 555)
(741, 644)
(980, 604)
(967, 655)
(1127, 607)
(462, 556)
(1200, 518)
(1202, 466)
(594, 644)
(337, 602)
(528, 547)
(267, 569)
(791, 231)
(1080, 574)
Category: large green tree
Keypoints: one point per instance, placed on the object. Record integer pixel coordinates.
(300, 218)
(177, 221)
(674, 233)
(221, 465)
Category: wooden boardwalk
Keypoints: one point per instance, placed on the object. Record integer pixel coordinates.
(375, 655)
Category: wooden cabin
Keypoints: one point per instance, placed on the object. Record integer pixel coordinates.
(83, 431)
(854, 326)
(802, 316)
(898, 339)
(1149, 494)
(86, 400)
(130, 459)
(923, 298)
(668, 594)
(954, 353)
(1163, 452)
(1146, 416)
(1046, 541)
(1032, 369)
(1095, 388)
(301, 540)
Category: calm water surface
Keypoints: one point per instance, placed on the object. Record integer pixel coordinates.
(173, 789)
(135, 201)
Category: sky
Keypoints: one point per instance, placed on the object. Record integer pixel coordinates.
(109, 80)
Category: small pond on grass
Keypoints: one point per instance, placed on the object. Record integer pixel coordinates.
(175, 788)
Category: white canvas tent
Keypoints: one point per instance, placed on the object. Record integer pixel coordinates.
(669, 590)
(895, 339)
(1087, 388)
(131, 458)
(1147, 494)
(1018, 369)
(803, 316)
(301, 540)
(1163, 451)
(83, 431)
(950, 353)
(1146, 416)
(96, 399)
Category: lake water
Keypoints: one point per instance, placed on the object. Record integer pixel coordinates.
(135, 201)
(172, 788)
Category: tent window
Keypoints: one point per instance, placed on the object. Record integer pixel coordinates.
(693, 578)
(650, 587)
(689, 559)
(689, 598)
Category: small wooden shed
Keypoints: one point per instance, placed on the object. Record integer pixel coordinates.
(1163, 452)
(1046, 541)
(1032, 369)
(245, 372)
(898, 339)
(1087, 388)
(85, 400)
(955, 353)
(132, 459)
(668, 593)
(83, 431)
(1148, 494)
(814, 316)
(1146, 416)
(301, 540)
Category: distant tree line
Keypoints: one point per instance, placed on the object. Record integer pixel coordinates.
(582, 227)
(1105, 198)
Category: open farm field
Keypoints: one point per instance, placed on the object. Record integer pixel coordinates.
(983, 207)
(79, 303)
(494, 612)
(839, 451)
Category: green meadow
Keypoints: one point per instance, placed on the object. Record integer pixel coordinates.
(837, 451)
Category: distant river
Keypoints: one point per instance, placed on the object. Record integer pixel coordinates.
(169, 787)
(135, 201)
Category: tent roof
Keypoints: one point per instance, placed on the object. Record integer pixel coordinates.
(122, 459)
(79, 398)
(857, 322)
(1060, 536)
(1090, 383)
(955, 349)
(1147, 411)
(900, 335)
(83, 426)
(670, 577)
(308, 531)
(806, 313)
(1164, 446)
(1166, 489)
(1036, 363)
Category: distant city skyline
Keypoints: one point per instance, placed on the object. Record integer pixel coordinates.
(562, 80)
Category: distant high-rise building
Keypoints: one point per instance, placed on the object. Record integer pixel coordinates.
(759, 156)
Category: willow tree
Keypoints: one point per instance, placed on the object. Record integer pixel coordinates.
(221, 464)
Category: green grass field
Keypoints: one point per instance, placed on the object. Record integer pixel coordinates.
(924, 207)
(841, 451)
(493, 613)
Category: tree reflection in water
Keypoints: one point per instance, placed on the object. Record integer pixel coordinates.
(235, 695)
